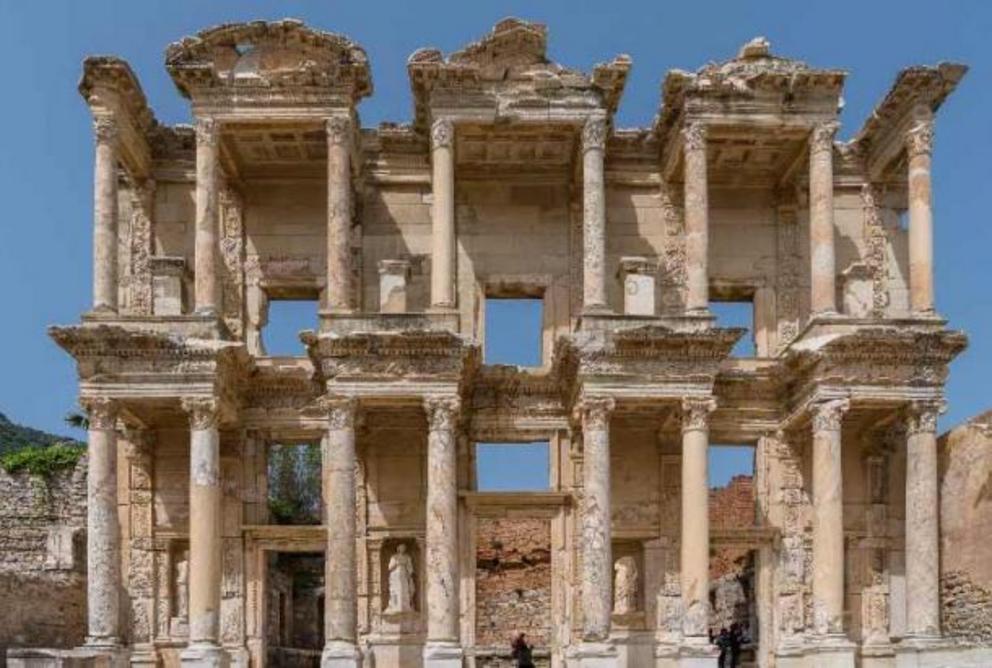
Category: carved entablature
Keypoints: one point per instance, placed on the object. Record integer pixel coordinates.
(506, 399)
(269, 64)
(274, 387)
(507, 72)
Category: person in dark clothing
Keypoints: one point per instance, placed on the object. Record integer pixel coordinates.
(723, 644)
(736, 639)
(522, 653)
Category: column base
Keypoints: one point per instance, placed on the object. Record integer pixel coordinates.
(203, 655)
(81, 657)
(339, 654)
(697, 652)
(936, 652)
(831, 651)
(443, 655)
(594, 655)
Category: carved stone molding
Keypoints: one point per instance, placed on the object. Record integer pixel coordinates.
(442, 133)
(203, 412)
(876, 251)
(442, 412)
(694, 136)
(822, 137)
(921, 417)
(207, 131)
(696, 413)
(829, 415)
(919, 138)
(594, 134)
(101, 411)
(595, 412)
(339, 129)
(105, 128)
(341, 411)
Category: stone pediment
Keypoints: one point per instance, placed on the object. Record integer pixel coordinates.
(261, 55)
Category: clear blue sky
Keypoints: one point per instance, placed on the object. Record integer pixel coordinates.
(46, 147)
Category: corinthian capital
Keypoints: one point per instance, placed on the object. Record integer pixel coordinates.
(696, 413)
(202, 412)
(921, 417)
(829, 415)
(341, 411)
(207, 131)
(594, 134)
(105, 128)
(919, 138)
(442, 412)
(595, 412)
(442, 133)
(338, 130)
(821, 139)
(101, 412)
(694, 136)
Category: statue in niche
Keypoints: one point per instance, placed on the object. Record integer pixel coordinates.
(625, 586)
(182, 586)
(401, 581)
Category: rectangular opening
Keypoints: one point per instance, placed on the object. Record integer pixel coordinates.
(737, 313)
(513, 467)
(731, 480)
(286, 319)
(514, 331)
(294, 482)
(294, 612)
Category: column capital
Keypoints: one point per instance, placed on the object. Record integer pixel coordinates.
(594, 134)
(207, 131)
(442, 412)
(339, 130)
(442, 133)
(341, 411)
(101, 412)
(821, 137)
(919, 137)
(696, 413)
(828, 415)
(694, 136)
(595, 411)
(105, 128)
(921, 416)
(203, 411)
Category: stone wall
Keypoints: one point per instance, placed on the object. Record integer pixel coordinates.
(42, 559)
(732, 568)
(513, 581)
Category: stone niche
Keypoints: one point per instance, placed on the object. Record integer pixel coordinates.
(628, 584)
(394, 612)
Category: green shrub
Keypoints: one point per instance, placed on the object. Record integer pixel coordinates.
(43, 461)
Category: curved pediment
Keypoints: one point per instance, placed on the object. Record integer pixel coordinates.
(268, 55)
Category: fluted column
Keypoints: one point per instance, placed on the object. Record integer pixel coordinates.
(593, 216)
(597, 548)
(338, 290)
(443, 214)
(443, 649)
(828, 518)
(340, 564)
(919, 146)
(106, 132)
(206, 284)
(103, 540)
(695, 542)
(823, 297)
(204, 534)
(922, 522)
(697, 212)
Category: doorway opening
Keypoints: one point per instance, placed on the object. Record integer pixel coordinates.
(293, 472)
(294, 616)
(513, 467)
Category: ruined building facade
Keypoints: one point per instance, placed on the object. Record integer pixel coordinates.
(512, 180)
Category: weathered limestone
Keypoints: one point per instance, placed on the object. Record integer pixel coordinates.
(338, 287)
(593, 216)
(638, 276)
(204, 535)
(443, 648)
(106, 133)
(207, 287)
(919, 148)
(823, 263)
(697, 225)
(103, 541)
(443, 214)
(393, 278)
(695, 520)
(340, 607)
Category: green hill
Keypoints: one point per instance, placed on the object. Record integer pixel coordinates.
(14, 437)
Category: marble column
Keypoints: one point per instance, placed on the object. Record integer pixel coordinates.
(823, 270)
(828, 518)
(205, 498)
(696, 219)
(443, 648)
(919, 146)
(103, 540)
(922, 521)
(105, 215)
(340, 563)
(206, 282)
(593, 216)
(443, 214)
(339, 138)
(695, 544)
(597, 547)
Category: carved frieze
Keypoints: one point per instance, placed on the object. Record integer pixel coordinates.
(876, 245)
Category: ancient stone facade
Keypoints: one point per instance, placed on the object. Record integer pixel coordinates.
(511, 180)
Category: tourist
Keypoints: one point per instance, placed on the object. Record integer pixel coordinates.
(736, 639)
(723, 643)
(522, 652)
